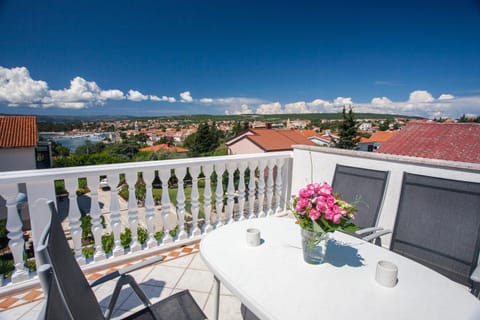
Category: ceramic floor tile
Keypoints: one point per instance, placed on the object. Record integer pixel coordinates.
(197, 280)
(162, 275)
(105, 291)
(229, 308)
(21, 311)
(154, 293)
(197, 263)
(181, 262)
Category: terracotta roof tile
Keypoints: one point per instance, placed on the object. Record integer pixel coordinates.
(164, 147)
(18, 131)
(277, 140)
(446, 141)
(379, 136)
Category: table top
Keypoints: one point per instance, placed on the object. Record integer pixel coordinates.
(274, 282)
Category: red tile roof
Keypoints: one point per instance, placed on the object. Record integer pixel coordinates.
(446, 141)
(18, 131)
(164, 147)
(276, 140)
(379, 136)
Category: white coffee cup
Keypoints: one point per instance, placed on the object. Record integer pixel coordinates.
(386, 273)
(253, 237)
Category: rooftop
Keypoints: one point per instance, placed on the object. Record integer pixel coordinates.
(445, 141)
(272, 139)
(18, 131)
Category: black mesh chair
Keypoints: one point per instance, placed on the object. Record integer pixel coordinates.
(365, 188)
(69, 296)
(438, 225)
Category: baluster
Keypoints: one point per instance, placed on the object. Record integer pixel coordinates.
(15, 234)
(148, 176)
(95, 215)
(164, 177)
(278, 188)
(251, 190)
(180, 173)
(207, 198)
(115, 215)
(261, 188)
(71, 184)
(231, 167)
(194, 172)
(271, 164)
(131, 179)
(219, 168)
(241, 190)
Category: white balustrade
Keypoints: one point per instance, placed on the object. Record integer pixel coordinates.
(164, 177)
(95, 215)
(115, 215)
(271, 165)
(180, 174)
(241, 190)
(119, 214)
(231, 167)
(148, 176)
(251, 190)
(279, 187)
(219, 169)
(194, 172)
(261, 188)
(207, 198)
(74, 216)
(131, 179)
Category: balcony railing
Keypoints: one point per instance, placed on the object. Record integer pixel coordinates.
(210, 192)
(221, 190)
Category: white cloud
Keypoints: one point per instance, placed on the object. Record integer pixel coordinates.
(17, 87)
(163, 98)
(134, 95)
(341, 101)
(186, 97)
(206, 100)
(319, 103)
(269, 108)
(112, 95)
(446, 97)
(297, 107)
(420, 96)
(155, 98)
(381, 101)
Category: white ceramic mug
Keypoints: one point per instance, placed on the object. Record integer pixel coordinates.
(386, 273)
(253, 237)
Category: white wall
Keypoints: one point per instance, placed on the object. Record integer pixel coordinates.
(317, 164)
(244, 146)
(17, 159)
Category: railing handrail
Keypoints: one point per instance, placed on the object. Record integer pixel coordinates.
(33, 175)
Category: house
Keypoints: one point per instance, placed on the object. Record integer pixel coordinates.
(164, 148)
(265, 140)
(445, 141)
(321, 139)
(375, 141)
(19, 148)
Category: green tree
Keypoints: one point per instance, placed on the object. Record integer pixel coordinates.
(205, 140)
(348, 131)
(385, 125)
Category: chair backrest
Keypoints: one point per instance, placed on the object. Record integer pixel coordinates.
(438, 224)
(75, 292)
(366, 185)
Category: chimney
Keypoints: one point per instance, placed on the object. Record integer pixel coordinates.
(268, 125)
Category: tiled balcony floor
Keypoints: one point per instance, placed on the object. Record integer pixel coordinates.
(181, 269)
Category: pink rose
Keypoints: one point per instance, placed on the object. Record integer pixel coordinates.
(325, 189)
(304, 193)
(337, 218)
(314, 214)
(331, 201)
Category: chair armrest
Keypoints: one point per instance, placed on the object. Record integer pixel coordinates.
(367, 230)
(376, 235)
(125, 270)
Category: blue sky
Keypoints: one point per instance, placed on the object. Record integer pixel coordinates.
(226, 57)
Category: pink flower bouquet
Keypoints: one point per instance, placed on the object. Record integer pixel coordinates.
(318, 209)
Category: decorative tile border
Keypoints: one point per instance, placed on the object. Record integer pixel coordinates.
(36, 294)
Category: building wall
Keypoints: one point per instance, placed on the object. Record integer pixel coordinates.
(17, 159)
(244, 146)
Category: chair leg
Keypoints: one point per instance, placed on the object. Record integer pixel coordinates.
(125, 279)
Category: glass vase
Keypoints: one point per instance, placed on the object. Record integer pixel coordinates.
(314, 245)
